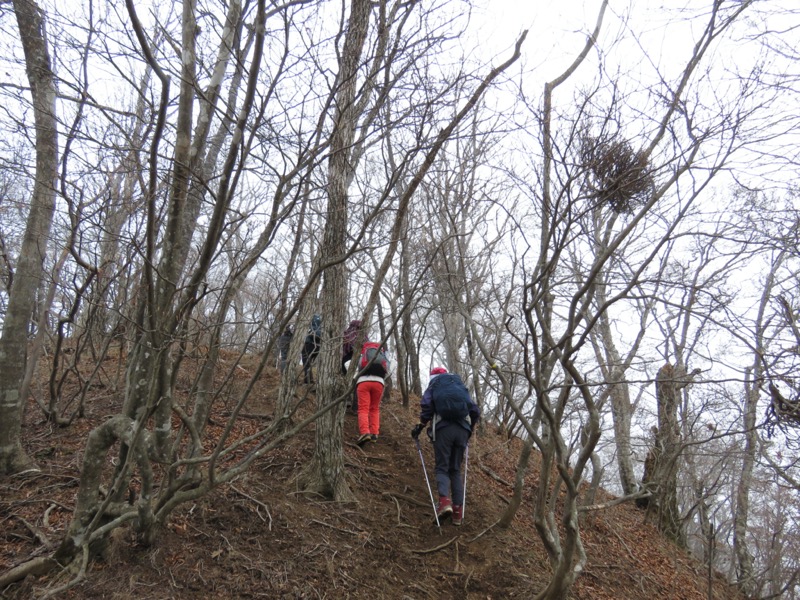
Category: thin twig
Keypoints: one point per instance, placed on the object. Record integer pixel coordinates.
(395, 417)
(397, 504)
(495, 476)
(627, 548)
(258, 502)
(409, 499)
(485, 530)
(337, 528)
(436, 549)
(46, 517)
(469, 577)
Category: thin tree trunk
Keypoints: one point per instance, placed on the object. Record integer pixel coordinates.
(621, 409)
(30, 268)
(413, 379)
(510, 512)
(744, 559)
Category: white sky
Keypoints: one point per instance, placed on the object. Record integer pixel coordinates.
(553, 30)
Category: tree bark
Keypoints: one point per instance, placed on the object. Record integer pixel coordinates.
(621, 409)
(412, 374)
(665, 475)
(510, 512)
(30, 269)
(326, 473)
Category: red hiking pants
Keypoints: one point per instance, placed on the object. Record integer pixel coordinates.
(369, 407)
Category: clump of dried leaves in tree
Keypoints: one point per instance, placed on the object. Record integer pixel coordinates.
(782, 412)
(616, 176)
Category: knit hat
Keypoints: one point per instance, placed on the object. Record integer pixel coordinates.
(438, 371)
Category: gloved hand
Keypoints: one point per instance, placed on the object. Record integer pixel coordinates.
(417, 430)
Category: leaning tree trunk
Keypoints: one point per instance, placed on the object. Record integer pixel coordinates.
(30, 268)
(507, 518)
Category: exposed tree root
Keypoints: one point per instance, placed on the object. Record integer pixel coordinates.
(41, 565)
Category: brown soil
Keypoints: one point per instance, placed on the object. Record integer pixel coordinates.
(263, 538)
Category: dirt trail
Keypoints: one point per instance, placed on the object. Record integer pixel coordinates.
(262, 538)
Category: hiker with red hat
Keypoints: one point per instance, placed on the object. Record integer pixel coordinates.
(448, 406)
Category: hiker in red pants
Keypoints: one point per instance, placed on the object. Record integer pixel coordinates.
(373, 369)
(449, 408)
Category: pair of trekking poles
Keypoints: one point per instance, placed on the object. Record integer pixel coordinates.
(430, 491)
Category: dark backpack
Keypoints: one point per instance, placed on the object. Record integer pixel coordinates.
(451, 400)
(371, 352)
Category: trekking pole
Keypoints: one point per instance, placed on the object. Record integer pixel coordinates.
(430, 491)
(466, 467)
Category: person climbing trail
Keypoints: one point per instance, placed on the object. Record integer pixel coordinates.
(447, 405)
(373, 369)
(311, 346)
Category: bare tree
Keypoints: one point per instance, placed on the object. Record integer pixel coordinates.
(29, 273)
(560, 315)
(770, 388)
(288, 168)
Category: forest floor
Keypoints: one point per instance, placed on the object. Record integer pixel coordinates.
(261, 537)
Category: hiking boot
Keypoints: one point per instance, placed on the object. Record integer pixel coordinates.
(373, 438)
(444, 508)
(458, 514)
(365, 437)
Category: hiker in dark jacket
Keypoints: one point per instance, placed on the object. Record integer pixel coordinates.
(284, 341)
(349, 338)
(450, 439)
(311, 348)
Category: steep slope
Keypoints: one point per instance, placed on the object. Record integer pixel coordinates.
(263, 538)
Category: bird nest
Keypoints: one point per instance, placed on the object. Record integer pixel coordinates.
(782, 412)
(617, 175)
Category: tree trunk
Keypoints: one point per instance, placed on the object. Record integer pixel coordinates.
(188, 188)
(412, 375)
(744, 560)
(510, 512)
(621, 413)
(326, 473)
(30, 268)
(665, 476)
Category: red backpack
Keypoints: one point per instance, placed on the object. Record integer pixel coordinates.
(373, 360)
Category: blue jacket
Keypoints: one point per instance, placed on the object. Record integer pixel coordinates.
(427, 414)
